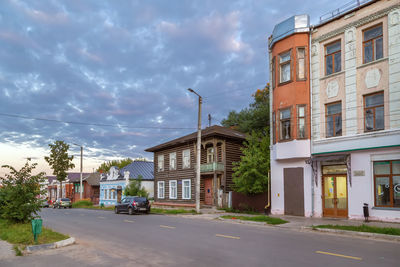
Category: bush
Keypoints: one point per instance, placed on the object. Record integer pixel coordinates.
(82, 203)
(135, 188)
(18, 196)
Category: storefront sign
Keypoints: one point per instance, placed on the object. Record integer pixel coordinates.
(358, 173)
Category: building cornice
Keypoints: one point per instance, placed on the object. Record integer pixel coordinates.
(358, 23)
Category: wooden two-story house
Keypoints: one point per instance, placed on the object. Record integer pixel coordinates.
(175, 167)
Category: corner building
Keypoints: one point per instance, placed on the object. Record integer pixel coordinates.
(290, 117)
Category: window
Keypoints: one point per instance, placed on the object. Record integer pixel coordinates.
(373, 44)
(186, 189)
(160, 189)
(105, 193)
(333, 58)
(186, 158)
(301, 122)
(285, 124)
(387, 183)
(172, 161)
(284, 67)
(109, 194)
(210, 155)
(374, 112)
(114, 194)
(333, 119)
(273, 73)
(160, 163)
(173, 189)
(301, 63)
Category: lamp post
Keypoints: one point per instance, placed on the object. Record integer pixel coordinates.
(198, 152)
(80, 187)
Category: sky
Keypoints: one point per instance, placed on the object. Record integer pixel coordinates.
(112, 76)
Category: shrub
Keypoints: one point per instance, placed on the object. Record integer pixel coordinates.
(19, 200)
(82, 203)
(135, 188)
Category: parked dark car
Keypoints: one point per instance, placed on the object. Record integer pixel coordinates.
(62, 203)
(133, 205)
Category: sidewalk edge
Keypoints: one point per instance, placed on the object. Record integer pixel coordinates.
(58, 244)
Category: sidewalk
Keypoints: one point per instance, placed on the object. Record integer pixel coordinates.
(6, 250)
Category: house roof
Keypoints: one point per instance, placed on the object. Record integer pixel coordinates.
(51, 178)
(136, 168)
(214, 130)
(76, 176)
(93, 178)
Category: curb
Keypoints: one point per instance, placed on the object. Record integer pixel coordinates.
(238, 221)
(354, 233)
(58, 244)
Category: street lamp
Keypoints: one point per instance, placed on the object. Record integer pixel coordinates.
(80, 187)
(198, 152)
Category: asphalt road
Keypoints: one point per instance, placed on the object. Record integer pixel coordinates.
(108, 239)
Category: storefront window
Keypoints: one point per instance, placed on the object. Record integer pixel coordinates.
(334, 169)
(387, 183)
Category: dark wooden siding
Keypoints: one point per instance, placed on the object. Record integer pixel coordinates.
(233, 154)
(179, 174)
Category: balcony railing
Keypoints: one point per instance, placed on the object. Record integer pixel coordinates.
(211, 167)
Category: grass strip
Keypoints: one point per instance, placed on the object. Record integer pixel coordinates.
(232, 210)
(362, 228)
(82, 203)
(260, 218)
(21, 234)
(171, 211)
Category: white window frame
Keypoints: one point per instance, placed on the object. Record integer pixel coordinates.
(160, 163)
(184, 166)
(172, 156)
(159, 191)
(105, 193)
(173, 189)
(183, 188)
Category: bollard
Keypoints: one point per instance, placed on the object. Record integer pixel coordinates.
(36, 228)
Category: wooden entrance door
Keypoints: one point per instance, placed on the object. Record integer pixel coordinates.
(208, 199)
(334, 195)
(119, 195)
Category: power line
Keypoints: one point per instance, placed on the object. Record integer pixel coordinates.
(95, 124)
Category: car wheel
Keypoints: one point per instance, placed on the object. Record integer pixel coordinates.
(59, 207)
(70, 206)
(116, 210)
(130, 211)
(54, 207)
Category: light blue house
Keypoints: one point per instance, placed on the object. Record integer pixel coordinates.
(113, 183)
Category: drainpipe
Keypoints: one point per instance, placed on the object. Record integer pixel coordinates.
(269, 193)
(311, 103)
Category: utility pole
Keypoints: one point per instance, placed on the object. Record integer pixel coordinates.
(209, 120)
(198, 158)
(80, 186)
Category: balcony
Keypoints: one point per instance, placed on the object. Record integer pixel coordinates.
(212, 167)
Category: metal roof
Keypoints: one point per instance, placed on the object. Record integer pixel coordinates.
(136, 168)
(295, 24)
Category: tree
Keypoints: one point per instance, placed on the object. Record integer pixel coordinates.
(105, 166)
(253, 118)
(135, 188)
(251, 172)
(59, 161)
(19, 200)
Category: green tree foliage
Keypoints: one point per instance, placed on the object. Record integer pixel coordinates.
(253, 118)
(59, 160)
(19, 200)
(105, 166)
(251, 172)
(135, 188)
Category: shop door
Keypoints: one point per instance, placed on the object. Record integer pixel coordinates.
(208, 200)
(119, 195)
(335, 196)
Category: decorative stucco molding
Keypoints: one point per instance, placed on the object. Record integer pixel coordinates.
(360, 22)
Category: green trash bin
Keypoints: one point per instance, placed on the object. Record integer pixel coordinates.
(36, 228)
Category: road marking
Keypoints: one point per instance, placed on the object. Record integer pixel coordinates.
(228, 236)
(338, 255)
(166, 226)
(100, 217)
(129, 221)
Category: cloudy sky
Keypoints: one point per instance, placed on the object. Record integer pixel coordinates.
(113, 75)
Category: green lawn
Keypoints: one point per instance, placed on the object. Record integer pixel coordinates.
(21, 234)
(362, 228)
(232, 210)
(171, 211)
(260, 218)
